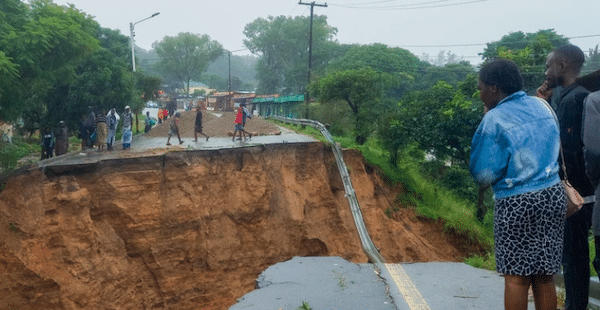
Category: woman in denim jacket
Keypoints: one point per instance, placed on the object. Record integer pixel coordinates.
(515, 150)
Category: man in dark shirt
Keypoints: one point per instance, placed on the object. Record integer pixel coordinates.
(198, 125)
(563, 66)
(591, 154)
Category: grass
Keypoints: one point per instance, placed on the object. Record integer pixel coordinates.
(425, 196)
(305, 306)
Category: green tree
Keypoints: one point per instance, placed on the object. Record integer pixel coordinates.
(399, 65)
(282, 46)
(442, 120)
(359, 88)
(452, 74)
(44, 42)
(528, 51)
(186, 56)
(592, 61)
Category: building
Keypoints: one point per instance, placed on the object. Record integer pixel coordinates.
(285, 106)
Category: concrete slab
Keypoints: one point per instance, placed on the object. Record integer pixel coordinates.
(322, 282)
(334, 283)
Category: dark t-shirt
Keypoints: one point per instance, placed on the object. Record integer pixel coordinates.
(570, 113)
(199, 119)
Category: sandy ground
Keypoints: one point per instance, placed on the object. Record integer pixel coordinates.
(214, 125)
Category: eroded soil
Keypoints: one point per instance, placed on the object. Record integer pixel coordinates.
(193, 229)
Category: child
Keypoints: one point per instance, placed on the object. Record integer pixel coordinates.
(175, 128)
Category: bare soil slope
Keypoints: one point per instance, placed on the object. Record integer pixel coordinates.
(190, 230)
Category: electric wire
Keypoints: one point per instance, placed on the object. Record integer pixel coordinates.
(401, 8)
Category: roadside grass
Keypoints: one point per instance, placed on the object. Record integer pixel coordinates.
(428, 198)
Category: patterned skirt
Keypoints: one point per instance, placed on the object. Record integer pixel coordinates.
(528, 232)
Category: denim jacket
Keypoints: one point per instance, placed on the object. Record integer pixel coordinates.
(515, 148)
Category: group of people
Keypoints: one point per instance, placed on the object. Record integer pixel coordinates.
(241, 116)
(517, 151)
(100, 130)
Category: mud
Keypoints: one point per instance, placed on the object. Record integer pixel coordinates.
(191, 230)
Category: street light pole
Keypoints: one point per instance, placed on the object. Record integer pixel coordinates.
(131, 25)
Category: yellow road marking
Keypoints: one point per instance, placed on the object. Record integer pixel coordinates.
(409, 291)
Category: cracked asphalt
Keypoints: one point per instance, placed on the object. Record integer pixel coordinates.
(334, 283)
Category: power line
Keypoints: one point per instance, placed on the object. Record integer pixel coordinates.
(403, 8)
(482, 44)
(385, 1)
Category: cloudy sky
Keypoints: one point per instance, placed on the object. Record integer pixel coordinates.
(421, 26)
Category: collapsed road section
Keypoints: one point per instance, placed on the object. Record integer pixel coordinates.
(190, 229)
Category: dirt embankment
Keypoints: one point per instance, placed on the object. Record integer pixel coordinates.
(190, 230)
(214, 125)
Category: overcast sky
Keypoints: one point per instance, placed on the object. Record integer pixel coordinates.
(420, 26)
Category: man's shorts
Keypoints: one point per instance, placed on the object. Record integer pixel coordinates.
(239, 127)
(198, 129)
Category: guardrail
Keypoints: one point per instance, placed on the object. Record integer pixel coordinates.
(368, 247)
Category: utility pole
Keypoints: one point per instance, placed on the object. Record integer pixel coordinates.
(229, 83)
(312, 6)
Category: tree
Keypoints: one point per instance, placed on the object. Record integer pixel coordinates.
(528, 51)
(186, 56)
(44, 43)
(592, 61)
(359, 88)
(282, 46)
(442, 120)
(453, 73)
(399, 64)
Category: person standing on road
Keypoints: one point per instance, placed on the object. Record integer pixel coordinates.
(563, 66)
(591, 155)
(62, 139)
(508, 153)
(148, 122)
(198, 124)
(101, 129)
(112, 120)
(47, 143)
(174, 128)
(127, 133)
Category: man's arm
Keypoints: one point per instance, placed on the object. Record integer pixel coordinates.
(591, 137)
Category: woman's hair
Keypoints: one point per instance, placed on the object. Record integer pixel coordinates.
(503, 74)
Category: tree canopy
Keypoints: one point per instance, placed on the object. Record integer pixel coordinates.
(185, 57)
(282, 45)
(528, 51)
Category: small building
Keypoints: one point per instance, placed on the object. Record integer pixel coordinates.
(284, 106)
(227, 101)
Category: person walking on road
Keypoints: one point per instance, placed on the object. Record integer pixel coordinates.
(240, 122)
(62, 139)
(198, 125)
(175, 128)
(127, 133)
(508, 153)
(563, 66)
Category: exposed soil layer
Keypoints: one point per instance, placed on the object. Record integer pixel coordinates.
(191, 229)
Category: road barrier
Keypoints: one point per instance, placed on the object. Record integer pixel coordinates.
(368, 247)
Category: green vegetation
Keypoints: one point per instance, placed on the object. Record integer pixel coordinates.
(427, 196)
(10, 154)
(305, 306)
